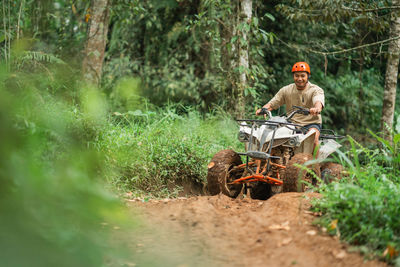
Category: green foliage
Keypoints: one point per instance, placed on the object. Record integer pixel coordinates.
(55, 27)
(59, 138)
(151, 152)
(31, 59)
(353, 100)
(186, 51)
(188, 56)
(365, 204)
(53, 201)
(126, 95)
(351, 20)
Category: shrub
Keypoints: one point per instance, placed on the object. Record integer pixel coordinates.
(363, 208)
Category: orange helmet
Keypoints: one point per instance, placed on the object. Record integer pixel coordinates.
(301, 66)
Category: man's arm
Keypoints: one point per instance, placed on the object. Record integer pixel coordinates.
(318, 100)
(316, 109)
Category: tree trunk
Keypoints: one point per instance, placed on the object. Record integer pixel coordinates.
(389, 95)
(233, 54)
(245, 19)
(96, 39)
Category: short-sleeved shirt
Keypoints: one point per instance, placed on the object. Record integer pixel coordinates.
(305, 98)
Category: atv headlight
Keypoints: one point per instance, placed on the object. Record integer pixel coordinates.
(243, 137)
(294, 141)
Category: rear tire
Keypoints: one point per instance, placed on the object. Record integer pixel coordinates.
(260, 190)
(218, 173)
(294, 176)
(331, 171)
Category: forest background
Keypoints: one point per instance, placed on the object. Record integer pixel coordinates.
(136, 96)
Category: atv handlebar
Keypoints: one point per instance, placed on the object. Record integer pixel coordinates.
(301, 110)
(268, 122)
(265, 111)
(298, 110)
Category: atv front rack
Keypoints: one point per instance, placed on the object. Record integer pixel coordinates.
(258, 175)
(260, 157)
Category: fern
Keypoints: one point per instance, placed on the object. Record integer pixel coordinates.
(32, 57)
(42, 57)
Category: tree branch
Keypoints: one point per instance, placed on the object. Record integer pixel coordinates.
(316, 12)
(338, 51)
(370, 9)
(355, 48)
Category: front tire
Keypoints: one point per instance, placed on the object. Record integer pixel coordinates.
(218, 176)
(294, 176)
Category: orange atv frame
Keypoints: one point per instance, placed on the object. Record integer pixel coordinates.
(258, 175)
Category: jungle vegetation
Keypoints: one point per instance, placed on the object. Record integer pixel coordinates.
(103, 97)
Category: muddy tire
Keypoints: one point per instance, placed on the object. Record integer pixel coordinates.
(260, 190)
(294, 175)
(218, 173)
(331, 171)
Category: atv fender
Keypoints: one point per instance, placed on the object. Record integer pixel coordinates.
(306, 143)
(327, 147)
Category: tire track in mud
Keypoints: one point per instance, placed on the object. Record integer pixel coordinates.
(220, 231)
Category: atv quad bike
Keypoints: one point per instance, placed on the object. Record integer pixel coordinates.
(273, 150)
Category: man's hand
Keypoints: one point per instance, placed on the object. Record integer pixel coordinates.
(316, 109)
(267, 106)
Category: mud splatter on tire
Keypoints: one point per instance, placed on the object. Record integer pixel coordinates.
(294, 175)
(217, 175)
(331, 171)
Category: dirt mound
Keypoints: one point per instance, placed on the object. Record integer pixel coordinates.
(220, 231)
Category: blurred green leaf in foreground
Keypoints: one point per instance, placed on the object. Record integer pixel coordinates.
(53, 204)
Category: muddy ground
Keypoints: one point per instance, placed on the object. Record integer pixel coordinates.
(220, 231)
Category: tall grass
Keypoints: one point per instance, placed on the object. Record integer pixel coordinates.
(363, 208)
(149, 152)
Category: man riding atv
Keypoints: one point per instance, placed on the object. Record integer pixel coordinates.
(301, 93)
(276, 147)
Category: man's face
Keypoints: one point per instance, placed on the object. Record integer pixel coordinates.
(300, 79)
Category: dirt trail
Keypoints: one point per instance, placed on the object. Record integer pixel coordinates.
(220, 231)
